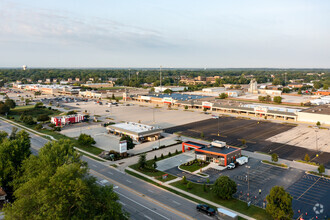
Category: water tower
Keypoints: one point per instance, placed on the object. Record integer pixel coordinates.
(24, 67)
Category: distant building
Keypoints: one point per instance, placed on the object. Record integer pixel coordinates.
(322, 92)
(77, 79)
(24, 67)
(295, 85)
(70, 80)
(67, 119)
(172, 88)
(253, 87)
(98, 85)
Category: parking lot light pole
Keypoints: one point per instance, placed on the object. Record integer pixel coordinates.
(316, 141)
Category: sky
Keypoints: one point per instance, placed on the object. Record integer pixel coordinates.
(171, 33)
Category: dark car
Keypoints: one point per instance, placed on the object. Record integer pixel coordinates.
(206, 209)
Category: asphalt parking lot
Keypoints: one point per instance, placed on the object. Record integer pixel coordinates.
(232, 130)
(311, 197)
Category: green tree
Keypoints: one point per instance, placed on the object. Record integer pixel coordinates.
(43, 117)
(261, 98)
(38, 105)
(130, 144)
(38, 126)
(318, 123)
(321, 168)
(168, 91)
(3, 135)
(202, 134)
(317, 85)
(162, 156)
(12, 154)
(154, 165)
(299, 91)
(56, 185)
(155, 158)
(204, 187)
(142, 163)
(184, 180)
(277, 99)
(307, 158)
(4, 109)
(186, 107)
(274, 157)
(243, 142)
(86, 140)
(325, 86)
(10, 103)
(224, 187)
(169, 154)
(13, 133)
(279, 203)
(113, 96)
(223, 96)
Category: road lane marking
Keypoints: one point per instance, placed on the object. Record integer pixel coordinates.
(122, 203)
(142, 205)
(147, 217)
(176, 202)
(170, 209)
(110, 173)
(128, 181)
(150, 191)
(94, 165)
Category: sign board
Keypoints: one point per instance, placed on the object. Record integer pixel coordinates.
(207, 104)
(167, 100)
(261, 109)
(122, 146)
(145, 97)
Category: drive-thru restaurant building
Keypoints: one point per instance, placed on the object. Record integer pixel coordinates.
(217, 152)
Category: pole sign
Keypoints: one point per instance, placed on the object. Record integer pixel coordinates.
(123, 146)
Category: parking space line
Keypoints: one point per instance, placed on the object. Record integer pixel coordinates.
(309, 188)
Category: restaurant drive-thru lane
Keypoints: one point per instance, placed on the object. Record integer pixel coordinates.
(140, 199)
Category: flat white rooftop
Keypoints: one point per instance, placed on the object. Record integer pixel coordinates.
(134, 127)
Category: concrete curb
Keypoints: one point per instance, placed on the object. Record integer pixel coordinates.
(189, 194)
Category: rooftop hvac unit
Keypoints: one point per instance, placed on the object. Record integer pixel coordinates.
(218, 143)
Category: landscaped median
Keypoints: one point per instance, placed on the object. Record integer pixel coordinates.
(193, 165)
(200, 193)
(282, 165)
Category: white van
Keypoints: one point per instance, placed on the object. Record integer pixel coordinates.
(242, 160)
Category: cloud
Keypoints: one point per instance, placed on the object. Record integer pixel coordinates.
(21, 23)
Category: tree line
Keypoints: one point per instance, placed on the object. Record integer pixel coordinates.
(55, 184)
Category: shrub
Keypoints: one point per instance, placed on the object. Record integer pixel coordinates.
(184, 180)
(321, 168)
(38, 126)
(307, 158)
(43, 117)
(169, 154)
(185, 107)
(274, 157)
(85, 139)
(162, 156)
(155, 158)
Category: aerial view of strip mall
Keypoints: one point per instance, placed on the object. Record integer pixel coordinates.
(164, 110)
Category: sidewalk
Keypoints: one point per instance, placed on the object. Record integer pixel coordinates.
(189, 194)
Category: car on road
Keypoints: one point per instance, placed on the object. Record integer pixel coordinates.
(206, 209)
(155, 147)
(215, 116)
(231, 166)
(107, 111)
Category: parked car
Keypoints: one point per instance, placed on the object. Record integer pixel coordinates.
(107, 111)
(156, 147)
(215, 116)
(230, 166)
(206, 209)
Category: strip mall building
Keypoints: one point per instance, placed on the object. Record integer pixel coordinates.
(217, 152)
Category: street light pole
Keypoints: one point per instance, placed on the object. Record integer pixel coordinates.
(316, 141)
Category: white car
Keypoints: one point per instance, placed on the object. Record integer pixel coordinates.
(230, 166)
(155, 147)
(215, 116)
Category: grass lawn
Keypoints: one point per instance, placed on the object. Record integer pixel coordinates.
(195, 166)
(152, 172)
(34, 112)
(275, 164)
(233, 204)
